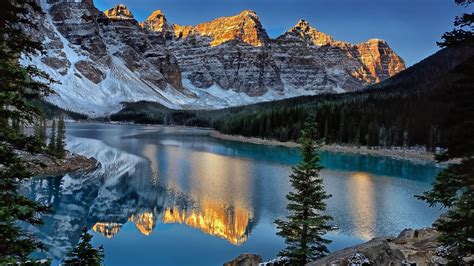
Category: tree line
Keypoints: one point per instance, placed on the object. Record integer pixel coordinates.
(56, 145)
(413, 108)
(402, 111)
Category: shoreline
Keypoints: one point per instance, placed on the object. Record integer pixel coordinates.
(416, 155)
(41, 165)
(410, 247)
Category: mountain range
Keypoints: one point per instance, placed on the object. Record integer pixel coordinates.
(103, 59)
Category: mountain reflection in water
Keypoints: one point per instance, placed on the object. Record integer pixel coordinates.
(161, 190)
(229, 223)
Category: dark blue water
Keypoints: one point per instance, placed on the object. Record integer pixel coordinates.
(175, 196)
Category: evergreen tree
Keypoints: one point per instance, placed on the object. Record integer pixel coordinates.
(40, 131)
(60, 143)
(18, 85)
(42, 134)
(306, 223)
(462, 34)
(52, 140)
(454, 186)
(357, 136)
(373, 135)
(84, 253)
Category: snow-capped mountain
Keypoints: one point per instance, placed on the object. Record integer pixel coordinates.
(102, 59)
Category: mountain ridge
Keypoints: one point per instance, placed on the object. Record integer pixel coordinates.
(105, 58)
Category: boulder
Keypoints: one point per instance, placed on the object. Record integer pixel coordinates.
(245, 260)
(378, 251)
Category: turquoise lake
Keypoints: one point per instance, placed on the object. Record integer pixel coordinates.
(176, 196)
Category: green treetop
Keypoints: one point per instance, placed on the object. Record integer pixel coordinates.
(454, 186)
(18, 85)
(61, 136)
(52, 140)
(84, 253)
(306, 224)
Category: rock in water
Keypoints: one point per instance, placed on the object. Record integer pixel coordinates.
(245, 260)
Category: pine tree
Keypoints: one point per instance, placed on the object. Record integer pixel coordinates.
(52, 140)
(373, 135)
(19, 84)
(454, 186)
(357, 136)
(340, 136)
(40, 131)
(306, 223)
(84, 253)
(462, 34)
(60, 144)
(42, 134)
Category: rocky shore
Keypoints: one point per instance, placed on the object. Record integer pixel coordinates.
(410, 247)
(42, 164)
(417, 155)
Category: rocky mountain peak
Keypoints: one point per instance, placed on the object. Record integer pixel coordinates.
(244, 26)
(376, 41)
(119, 12)
(249, 13)
(157, 22)
(157, 13)
(379, 59)
(228, 61)
(303, 25)
(304, 30)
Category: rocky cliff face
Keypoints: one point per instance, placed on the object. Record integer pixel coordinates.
(379, 59)
(102, 59)
(229, 53)
(245, 27)
(105, 58)
(157, 22)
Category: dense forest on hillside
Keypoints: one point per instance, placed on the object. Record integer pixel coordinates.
(409, 109)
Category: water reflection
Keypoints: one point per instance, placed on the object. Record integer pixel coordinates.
(107, 229)
(230, 223)
(150, 152)
(227, 222)
(144, 222)
(363, 207)
(161, 187)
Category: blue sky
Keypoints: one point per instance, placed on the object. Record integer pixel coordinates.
(411, 27)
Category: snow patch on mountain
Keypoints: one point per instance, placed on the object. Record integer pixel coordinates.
(103, 60)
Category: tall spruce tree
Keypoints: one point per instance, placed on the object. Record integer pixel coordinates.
(18, 85)
(52, 139)
(373, 135)
(61, 135)
(306, 224)
(84, 253)
(40, 131)
(462, 34)
(454, 186)
(42, 134)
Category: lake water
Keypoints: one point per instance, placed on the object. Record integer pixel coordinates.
(175, 196)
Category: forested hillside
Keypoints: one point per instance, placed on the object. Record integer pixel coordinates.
(412, 108)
